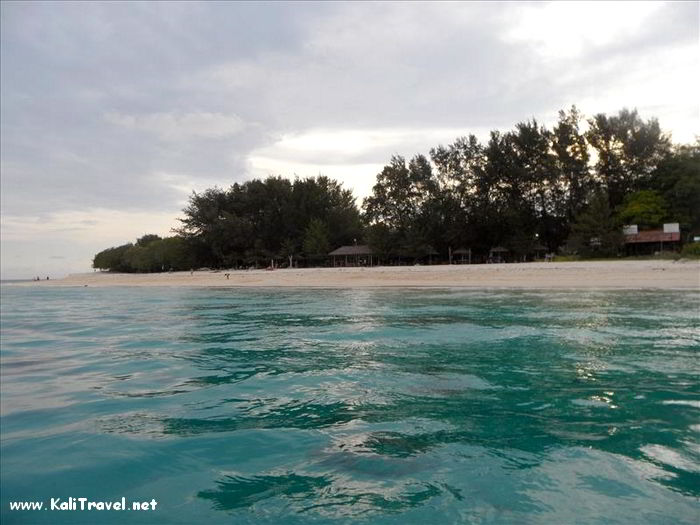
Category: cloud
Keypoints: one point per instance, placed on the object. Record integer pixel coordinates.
(98, 226)
(181, 126)
(352, 156)
(569, 30)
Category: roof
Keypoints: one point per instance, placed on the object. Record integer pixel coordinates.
(652, 236)
(499, 249)
(461, 251)
(358, 249)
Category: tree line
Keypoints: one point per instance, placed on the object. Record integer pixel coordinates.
(565, 189)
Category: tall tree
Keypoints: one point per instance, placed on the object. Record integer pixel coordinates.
(316, 243)
(572, 161)
(398, 200)
(250, 222)
(628, 149)
(677, 179)
(595, 232)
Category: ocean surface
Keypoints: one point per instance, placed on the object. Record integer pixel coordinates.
(337, 406)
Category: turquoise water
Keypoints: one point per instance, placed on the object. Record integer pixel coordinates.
(323, 406)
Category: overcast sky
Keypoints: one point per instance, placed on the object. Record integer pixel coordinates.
(111, 114)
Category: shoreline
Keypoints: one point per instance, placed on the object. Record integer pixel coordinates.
(608, 275)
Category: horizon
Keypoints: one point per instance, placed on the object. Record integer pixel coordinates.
(110, 120)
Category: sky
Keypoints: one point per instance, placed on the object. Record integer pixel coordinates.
(111, 114)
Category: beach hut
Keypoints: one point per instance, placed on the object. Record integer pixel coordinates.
(539, 251)
(648, 241)
(465, 255)
(497, 254)
(356, 255)
(430, 252)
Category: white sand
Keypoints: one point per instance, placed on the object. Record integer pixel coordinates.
(667, 275)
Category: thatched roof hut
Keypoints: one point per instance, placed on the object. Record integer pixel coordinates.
(357, 249)
(355, 255)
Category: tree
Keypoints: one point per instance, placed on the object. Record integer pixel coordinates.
(629, 150)
(112, 259)
(391, 202)
(175, 254)
(594, 232)
(316, 243)
(147, 239)
(645, 208)
(542, 186)
(526, 186)
(381, 240)
(252, 221)
(456, 212)
(677, 180)
(289, 250)
(399, 200)
(572, 159)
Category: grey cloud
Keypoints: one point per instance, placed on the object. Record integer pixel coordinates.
(66, 65)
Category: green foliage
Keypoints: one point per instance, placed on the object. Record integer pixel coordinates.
(156, 255)
(147, 239)
(691, 250)
(112, 259)
(403, 202)
(250, 222)
(629, 150)
(677, 179)
(572, 162)
(381, 240)
(316, 242)
(645, 208)
(594, 232)
(289, 250)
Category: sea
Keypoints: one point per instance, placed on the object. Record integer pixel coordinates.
(397, 406)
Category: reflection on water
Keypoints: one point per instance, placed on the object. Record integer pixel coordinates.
(395, 406)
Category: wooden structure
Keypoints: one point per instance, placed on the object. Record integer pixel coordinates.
(430, 252)
(649, 241)
(357, 255)
(539, 251)
(497, 254)
(464, 253)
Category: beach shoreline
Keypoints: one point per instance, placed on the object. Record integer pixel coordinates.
(630, 275)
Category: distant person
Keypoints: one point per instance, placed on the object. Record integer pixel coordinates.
(47, 277)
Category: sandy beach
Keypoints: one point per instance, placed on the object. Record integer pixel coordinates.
(586, 275)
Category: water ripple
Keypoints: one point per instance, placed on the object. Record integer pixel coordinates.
(392, 406)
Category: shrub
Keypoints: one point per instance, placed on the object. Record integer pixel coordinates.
(691, 250)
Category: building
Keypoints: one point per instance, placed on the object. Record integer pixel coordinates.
(498, 254)
(357, 255)
(462, 256)
(647, 242)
